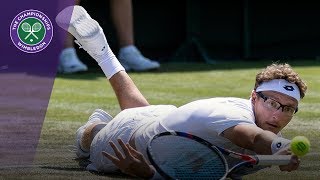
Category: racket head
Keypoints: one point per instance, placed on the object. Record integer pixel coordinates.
(26, 27)
(179, 155)
(36, 27)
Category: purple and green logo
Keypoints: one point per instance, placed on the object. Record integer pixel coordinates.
(31, 31)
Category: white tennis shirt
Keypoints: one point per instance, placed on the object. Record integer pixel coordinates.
(206, 118)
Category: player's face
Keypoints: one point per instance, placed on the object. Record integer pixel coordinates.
(273, 110)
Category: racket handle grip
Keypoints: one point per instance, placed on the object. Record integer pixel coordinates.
(273, 159)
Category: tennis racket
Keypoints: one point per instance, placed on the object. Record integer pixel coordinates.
(179, 155)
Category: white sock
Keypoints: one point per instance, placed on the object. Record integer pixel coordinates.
(109, 63)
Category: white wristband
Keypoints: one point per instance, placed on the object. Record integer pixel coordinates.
(279, 143)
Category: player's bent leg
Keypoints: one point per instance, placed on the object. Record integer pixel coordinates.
(124, 126)
(86, 133)
(91, 38)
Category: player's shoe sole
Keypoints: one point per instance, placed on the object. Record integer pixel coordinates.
(88, 33)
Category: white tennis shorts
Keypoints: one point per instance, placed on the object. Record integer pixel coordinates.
(122, 127)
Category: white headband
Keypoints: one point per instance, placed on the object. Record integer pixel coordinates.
(282, 86)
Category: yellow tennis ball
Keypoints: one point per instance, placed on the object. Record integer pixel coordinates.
(300, 145)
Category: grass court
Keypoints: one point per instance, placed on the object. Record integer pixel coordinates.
(74, 97)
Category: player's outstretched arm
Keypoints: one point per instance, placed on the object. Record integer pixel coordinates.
(251, 137)
(261, 142)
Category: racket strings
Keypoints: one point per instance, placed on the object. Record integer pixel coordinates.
(184, 158)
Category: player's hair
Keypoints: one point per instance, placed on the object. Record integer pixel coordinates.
(281, 71)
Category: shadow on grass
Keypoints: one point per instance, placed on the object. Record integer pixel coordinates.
(173, 67)
(81, 169)
(63, 168)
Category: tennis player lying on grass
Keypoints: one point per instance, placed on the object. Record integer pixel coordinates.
(248, 126)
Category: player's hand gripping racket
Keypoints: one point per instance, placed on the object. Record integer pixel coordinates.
(179, 155)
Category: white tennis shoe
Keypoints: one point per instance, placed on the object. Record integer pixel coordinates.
(88, 33)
